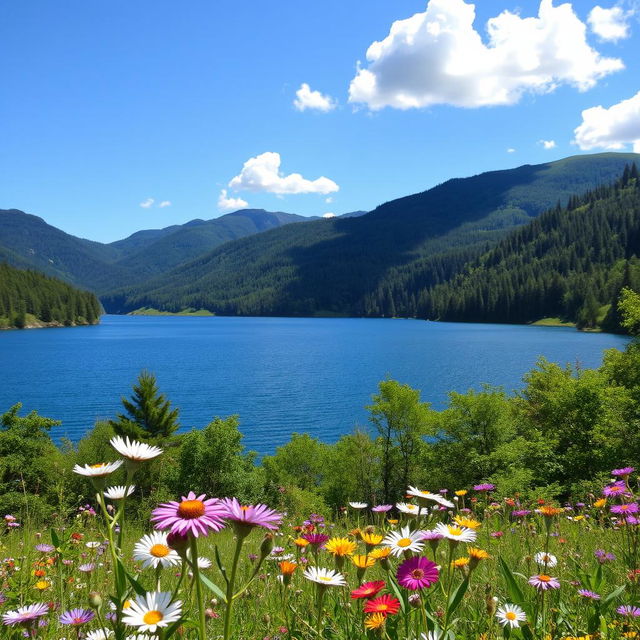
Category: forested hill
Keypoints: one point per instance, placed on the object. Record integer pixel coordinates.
(569, 263)
(381, 264)
(30, 299)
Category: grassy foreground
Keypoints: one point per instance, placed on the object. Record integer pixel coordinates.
(440, 565)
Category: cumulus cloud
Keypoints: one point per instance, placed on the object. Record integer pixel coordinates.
(511, 150)
(226, 203)
(165, 203)
(148, 203)
(262, 173)
(609, 24)
(611, 128)
(548, 144)
(329, 214)
(437, 57)
(308, 99)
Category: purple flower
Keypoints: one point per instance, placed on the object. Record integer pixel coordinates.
(193, 515)
(45, 548)
(622, 509)
(520, 513)
(617, 488)
(76, 617)
(430, 535)
(590, 595)
(631, 520)
(318, 540)
(603, 556)
(497, 534)
(623, 473)
(251, 516)
(87, 568)
(629, 611)
(417, 573)
(486, 486)
(382, 508)
(25, 615)
(544, 582)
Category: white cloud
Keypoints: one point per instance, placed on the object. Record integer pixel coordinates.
(230, 204)
(511, 150)
(308, 99)
(611, 128)
(329, 214)
(548, 144)
(437, 57)
(328, 200)
(610, 24)
(148, 203)
(262, 173)
(165, 203)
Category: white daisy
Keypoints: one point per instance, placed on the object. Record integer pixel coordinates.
(142, 636)
(326, 577)
(134, 450)
(430, 635)
(152, 611)
(99, 634)
(511, 614)
(92, 544)
(153, 551)
(427, 495)
(403, 540)
(358, 505)
(546, 559)
(97, 470)
(456, 533)
(411, 509)
(119, 492)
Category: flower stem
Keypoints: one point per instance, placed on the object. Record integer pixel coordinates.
(230, 588)
(202, 633)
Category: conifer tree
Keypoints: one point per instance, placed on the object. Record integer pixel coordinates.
(149, 415)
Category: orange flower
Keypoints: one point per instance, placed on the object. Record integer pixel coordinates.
(550, 512)
(598, 504)
(380, 552)
(363, 562)
(371, 539)
(287, 568)
(301, 542)
(374, 621)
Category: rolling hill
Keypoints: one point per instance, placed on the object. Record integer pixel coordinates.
(381, 264)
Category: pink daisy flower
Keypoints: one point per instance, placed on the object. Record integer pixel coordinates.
(632, 507)
(618, 488)
(255, 516)
(417, 573)
(25, 615)
(192, 515)
(544, 582)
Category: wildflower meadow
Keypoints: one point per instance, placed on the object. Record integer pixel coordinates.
(438, 565)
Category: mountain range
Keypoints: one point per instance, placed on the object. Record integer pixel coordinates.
(254, 262)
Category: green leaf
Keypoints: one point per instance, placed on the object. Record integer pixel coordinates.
(456, 596)
(515, 592)
(223, 571)
(399, 595)
(613, 595)
(55, 540)
(213, 587)
(172, 628)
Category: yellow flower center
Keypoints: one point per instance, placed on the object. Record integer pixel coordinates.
(324, 578)
(544, 578)
(159, 550)
(244, 508)
(510, 615)
(190, 509)
(98, 466)
(404, 542)
(152, 617)
(455, 531)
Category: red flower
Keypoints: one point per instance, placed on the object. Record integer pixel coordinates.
(368, 589)
(385, 605)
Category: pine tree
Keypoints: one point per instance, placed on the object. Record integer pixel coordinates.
(150, 415)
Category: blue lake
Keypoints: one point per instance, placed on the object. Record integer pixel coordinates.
(280, 375)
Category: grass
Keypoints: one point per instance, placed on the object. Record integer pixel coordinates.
(150, 311)
(553, 322)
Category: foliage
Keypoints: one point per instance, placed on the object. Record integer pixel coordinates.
(149, 415)
(30, 296)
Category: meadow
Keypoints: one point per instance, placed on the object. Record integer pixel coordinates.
(461, 564)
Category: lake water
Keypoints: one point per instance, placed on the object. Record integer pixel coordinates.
(279, 375)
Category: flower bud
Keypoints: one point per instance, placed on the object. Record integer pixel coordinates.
(266, 546)
(95, 600)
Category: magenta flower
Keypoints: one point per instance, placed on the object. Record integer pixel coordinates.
(623, 473)
(76, 617)
(192, 515)
(520, 513)
(486, 486)
(25, 615)
(618, 488)
(629, 611)
(544, 582)
(382, 508)
(623, 509)
(590, 595)
(417, 573)
(318, 540)
(254, 516)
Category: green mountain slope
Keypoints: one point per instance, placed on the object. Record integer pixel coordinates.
(379, 264)
(31, 298)
(27, 241)
(567, 263)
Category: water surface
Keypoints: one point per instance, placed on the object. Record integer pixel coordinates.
(279, 375)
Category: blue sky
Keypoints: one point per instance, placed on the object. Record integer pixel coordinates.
(107, 106)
